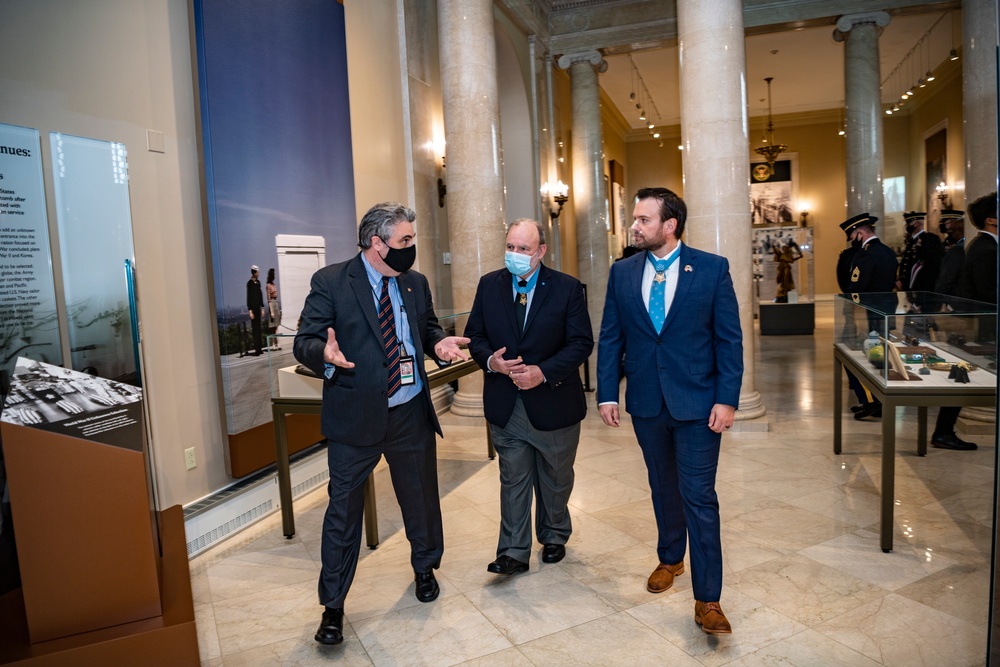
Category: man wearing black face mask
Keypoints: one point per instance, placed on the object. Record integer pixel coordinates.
(952, 225)
(366, 326)
(873, 269)
(918, 270)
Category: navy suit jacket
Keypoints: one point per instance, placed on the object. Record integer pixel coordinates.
(694, 362)
(979, 275)
(355, 404)
(557, 337)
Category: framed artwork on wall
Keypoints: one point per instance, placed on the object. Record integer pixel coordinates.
(773, 194)
(936, 166)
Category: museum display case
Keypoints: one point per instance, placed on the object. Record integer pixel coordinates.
(290, 379)
(922, 338)
(783, 265)
(296, 390)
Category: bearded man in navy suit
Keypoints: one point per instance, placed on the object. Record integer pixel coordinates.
(671, 326)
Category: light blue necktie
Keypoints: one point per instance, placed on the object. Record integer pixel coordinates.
(658, 291)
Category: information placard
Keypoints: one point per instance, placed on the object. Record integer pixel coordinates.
(28, 319)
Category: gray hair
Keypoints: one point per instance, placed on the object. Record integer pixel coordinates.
(380, 220)
(538, 226)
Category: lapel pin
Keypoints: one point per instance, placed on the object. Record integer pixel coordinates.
(687, 268)
(408, 289)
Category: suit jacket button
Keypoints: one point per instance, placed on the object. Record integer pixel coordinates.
(658, 341)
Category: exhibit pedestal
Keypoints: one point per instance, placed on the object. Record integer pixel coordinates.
(84, 532)
(168, 639)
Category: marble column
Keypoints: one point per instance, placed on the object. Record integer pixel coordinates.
(979, 119)
(863, 99)
(475, 198)
(587, 193)
(716, 143)
(979, 98)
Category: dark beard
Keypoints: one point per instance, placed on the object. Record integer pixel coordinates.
(646, 244)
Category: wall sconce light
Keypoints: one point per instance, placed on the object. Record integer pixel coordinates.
(560, 195)
(803, 218)
(942, 194)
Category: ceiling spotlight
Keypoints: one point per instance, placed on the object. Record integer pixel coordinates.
(953, 54)
(909, 91)
(887, 111)
(930, 76)
(895, 107)
(680, 147)
(905, 96)
(842, 132)
(642, 114)
(631, 96)
(921, 82)
(661, 144)
(651, 126)
(656, 135)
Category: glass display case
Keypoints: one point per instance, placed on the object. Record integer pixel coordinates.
(290, 379)
(918, 340)
(783, 264)
(297, 390)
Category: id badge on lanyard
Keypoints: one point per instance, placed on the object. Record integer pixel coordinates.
(407, 370)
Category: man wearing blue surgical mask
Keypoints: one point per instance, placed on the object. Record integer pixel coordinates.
(530, 331)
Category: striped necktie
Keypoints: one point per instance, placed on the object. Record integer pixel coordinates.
(387, 322)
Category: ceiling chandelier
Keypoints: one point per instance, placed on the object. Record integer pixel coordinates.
(770, 150)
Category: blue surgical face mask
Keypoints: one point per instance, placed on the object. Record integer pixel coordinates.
(517, 263)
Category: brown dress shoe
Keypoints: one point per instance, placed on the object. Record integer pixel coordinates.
(663, 577)
(711, 619)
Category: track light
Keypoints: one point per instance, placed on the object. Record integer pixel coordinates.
(953, 54)
(930, 76)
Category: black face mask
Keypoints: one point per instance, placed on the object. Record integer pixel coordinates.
(856, 244)
(943, 228)
(400, 259)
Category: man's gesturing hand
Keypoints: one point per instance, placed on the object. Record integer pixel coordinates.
(332, 353)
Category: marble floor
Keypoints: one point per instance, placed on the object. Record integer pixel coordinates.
(805, 580)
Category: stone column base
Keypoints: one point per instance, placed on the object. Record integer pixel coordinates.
(441, 398)
(977, 421)
(467, 404)
(754, 425)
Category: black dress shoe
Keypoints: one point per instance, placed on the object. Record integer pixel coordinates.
(427, 588)
(553, 553)
(869, 410)
(951, 441)
(506, 565)
(331, 628)
(857, 408)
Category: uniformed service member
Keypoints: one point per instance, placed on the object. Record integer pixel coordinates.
(873, 269)
(921, 262)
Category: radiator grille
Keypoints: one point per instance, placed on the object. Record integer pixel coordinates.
(208, 539)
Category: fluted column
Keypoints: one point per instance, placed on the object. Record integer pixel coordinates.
(979, 97)
(863, 95)
(717, 157)
(587, 191)
(475, 198)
